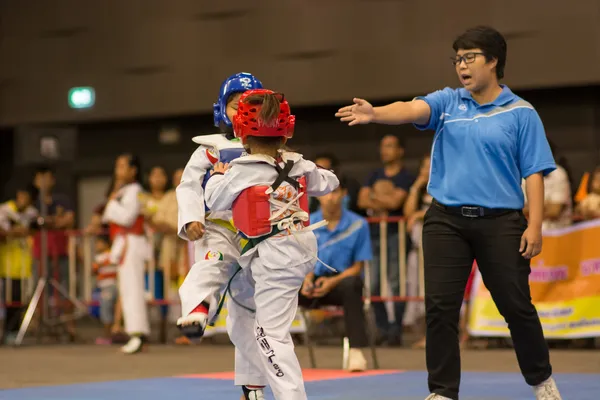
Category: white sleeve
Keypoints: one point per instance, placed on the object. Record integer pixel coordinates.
(557, 187)
(319, 181)
(190, 195)
(222, 190)
(125, 210)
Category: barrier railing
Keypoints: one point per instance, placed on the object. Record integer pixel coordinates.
(82, 280)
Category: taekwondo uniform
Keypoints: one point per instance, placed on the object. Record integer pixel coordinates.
(270, 208)
(129, 251)
(216, 253)
(278, 263)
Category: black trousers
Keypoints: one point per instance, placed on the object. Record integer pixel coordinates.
(347, 294)
(14, 315)
(450, 243)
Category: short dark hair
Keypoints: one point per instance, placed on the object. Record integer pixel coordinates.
(489, 40)
(43, 169)
(331, 157)
(104, 237)
(31, 190)
(399, 139)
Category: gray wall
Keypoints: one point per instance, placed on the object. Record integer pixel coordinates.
(159, 57)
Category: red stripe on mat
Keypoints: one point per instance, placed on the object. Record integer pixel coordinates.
(308, 374)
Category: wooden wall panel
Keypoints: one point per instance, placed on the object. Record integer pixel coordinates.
(155, 57)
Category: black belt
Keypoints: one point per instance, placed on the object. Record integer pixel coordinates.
(472, 211)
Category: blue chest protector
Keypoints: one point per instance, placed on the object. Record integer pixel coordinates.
(225, 156)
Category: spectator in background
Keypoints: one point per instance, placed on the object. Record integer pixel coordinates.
(173, 261)
(589, 207)
(95, 226)
(16, 219)
(106, 279)
(155, 190)
(383, 196)
(330, 162)
(343, 244)
(417, 203)
(60, 217)
(158, 182)
(558, 199)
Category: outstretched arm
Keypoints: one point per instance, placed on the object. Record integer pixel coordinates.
(398, 113)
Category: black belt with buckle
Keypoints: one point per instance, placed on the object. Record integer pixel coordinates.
(472, 211)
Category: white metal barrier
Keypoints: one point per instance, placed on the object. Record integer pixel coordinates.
(82, 282)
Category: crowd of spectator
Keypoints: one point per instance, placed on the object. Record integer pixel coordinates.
(349, 243)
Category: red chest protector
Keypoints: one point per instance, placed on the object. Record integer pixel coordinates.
(136, 229)
(252, 208)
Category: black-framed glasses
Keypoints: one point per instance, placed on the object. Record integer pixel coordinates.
(469, 58)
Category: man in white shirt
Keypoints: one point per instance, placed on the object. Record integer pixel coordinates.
(558, 202)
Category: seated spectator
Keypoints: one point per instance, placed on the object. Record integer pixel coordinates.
(382, 196)
(330, 162)
(16, 219)
(589, 207)
(106, 280)
(345, 245)
(558, 202)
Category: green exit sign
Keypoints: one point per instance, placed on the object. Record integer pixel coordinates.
(82, 97)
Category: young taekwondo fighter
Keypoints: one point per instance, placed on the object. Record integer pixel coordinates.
(267, 192)
(217, 245)
(129, 250)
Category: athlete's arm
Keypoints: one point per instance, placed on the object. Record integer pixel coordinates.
(190, 195)
(319, 181)
(222, 189)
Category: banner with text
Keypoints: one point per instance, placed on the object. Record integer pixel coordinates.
(565, 287)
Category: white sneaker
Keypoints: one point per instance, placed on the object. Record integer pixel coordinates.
(547, 390)
(193, 325)
(356, 361)
(434, 396)
(134, 345)
(255, 394)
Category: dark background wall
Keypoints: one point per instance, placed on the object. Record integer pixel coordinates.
(151, 58)
(158, 63)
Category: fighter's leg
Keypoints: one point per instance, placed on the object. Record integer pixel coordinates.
(132, 293)
(216, 255)
(240, 327)
(276, 300)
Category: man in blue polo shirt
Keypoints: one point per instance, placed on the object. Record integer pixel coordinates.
(345, 245)
(486, 140)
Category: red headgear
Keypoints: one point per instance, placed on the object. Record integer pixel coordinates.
(246, 122)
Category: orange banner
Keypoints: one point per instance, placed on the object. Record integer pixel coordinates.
(565, 287)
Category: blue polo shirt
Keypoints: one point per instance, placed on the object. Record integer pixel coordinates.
(480, 153)
(348, 243)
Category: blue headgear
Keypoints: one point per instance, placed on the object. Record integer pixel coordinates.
(237, 83)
